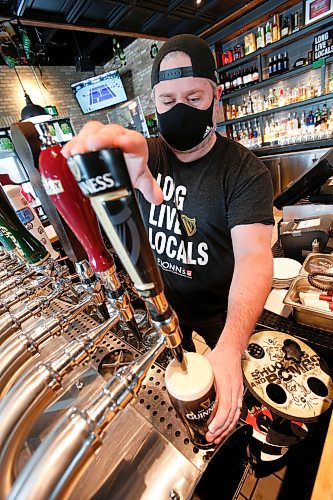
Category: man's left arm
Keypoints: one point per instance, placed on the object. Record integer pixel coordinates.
(250, 286)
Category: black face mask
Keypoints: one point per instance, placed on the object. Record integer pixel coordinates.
(184, 127)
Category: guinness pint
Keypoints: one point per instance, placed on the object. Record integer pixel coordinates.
(192, 394)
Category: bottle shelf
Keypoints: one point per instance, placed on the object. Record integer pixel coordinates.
(307, 30)
(293, 105)
(273, 79)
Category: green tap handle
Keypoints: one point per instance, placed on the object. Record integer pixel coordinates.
(7, 243)
(30, 249)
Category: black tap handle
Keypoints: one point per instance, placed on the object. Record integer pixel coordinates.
(104, 178)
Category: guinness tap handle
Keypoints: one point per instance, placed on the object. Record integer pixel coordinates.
(75, 208)
(103, 177)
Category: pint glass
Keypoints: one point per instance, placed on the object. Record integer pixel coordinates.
(192, 394)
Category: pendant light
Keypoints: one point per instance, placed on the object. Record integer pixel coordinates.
(32, 112)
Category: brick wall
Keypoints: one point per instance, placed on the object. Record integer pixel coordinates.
(136, 74)
(57, 80)
(58, 92)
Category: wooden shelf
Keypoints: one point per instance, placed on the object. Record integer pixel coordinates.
(273, 79)
(306, 102)
(307, 30)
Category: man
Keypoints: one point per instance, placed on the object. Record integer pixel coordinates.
(207, 205)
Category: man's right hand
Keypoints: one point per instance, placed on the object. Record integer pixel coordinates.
(95, 136)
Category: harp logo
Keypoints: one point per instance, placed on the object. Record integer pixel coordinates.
(205, 404)
(189, 224)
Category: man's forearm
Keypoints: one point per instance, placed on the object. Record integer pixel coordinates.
(250, 286)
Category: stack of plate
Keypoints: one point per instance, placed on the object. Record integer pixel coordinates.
(285, 270)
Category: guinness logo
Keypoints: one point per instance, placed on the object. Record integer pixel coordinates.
(205, 404)
(189, 224)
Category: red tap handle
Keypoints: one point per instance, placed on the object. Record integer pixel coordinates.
(75, 208)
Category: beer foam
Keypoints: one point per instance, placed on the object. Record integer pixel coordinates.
(194, 383)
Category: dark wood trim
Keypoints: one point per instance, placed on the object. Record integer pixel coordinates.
(241, 26)
(78, 27)
(232, 17)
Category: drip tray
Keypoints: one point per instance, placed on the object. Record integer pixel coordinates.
(146, 452)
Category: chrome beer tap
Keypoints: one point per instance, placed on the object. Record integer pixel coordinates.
(12, 322)
(24, 293)
(36, 390)
(15, 351)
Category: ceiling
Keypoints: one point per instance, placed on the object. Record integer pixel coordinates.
(63, 29)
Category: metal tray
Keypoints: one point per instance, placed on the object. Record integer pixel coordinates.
(307, 315)
(307, 263)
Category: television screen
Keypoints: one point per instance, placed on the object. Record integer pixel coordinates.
(99, 92)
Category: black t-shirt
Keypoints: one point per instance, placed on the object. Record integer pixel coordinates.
(190, 231)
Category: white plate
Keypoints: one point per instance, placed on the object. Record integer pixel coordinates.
(285, 269)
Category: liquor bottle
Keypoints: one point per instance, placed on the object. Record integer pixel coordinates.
(302, 93)
(268, 33)
(285, 62)
(325, 113)
(255, 75)
(288, 96)
(317, 89)
(270, 67)
(29, 248)
(260, 41)
(281, 101)
(330, 120)
(267, 132)
(330, 84)
(285, 30)
(250, 109)
(228, 112)
(234, 81)
(295, 22)
(295, 94)
(233, 112)
(239, 80)
(317, 116)
(247, 77)
(222, 83)
(227, 83)
(275, 99)
(255, 129)
(275, 28)
(303, 121)
(234, 132)
(244, 107)
(274, 66)
(279, 64)
(309, 89)
(250, 131)
(295, 122)
(266, 103)
(310, 119)
(260, 103)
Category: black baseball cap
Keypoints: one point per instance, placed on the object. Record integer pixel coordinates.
(202, 59)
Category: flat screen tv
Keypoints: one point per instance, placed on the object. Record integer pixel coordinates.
(99, 92)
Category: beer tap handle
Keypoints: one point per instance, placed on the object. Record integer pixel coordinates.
(103, 177)
(62, 188)
(30, 249)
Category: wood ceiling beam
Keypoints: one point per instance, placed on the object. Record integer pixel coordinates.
(75, 27)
